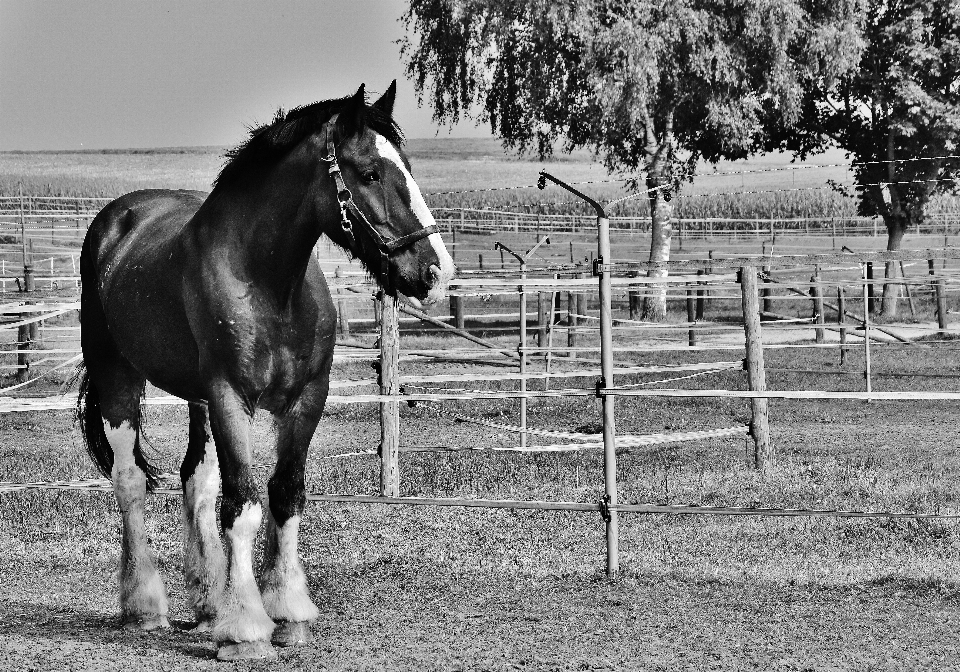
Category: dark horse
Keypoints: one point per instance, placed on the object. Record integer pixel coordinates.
(219, 300)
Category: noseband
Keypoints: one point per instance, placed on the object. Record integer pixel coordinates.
(386, 247)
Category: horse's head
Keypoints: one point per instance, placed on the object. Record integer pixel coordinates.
(383, 218)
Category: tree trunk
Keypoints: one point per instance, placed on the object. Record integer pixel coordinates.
(896, 227)
(661, 230)
(635, 299)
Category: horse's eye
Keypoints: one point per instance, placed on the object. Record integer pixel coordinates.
(371, 176)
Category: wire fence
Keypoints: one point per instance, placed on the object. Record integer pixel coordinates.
(687, 279)
(62, 217)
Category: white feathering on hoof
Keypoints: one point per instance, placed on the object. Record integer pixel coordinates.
(285, 593)
(204, 562)
(143, 599)
(241, 617)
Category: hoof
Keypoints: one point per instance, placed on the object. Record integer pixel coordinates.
(246, 651)
(291, 633)
(146, 623)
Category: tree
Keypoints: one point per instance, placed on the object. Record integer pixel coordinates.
(897, 114)
(651, 86)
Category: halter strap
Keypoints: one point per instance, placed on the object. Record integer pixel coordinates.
(348, 205)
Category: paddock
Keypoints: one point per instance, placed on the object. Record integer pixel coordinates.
(490, 579)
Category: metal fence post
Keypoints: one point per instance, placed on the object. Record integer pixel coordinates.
(867, 286)
(607, 401)
(608, 507)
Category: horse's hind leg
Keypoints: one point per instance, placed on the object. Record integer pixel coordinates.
(282, 580)
(143, 599)
(204, 560)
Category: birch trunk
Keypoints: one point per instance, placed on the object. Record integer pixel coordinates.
(661, 231)
(896, 228)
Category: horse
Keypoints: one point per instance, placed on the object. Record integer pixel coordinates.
(219, 299)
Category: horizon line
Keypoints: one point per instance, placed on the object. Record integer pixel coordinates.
(174, 148)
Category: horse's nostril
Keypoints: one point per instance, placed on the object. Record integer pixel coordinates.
(435, 274)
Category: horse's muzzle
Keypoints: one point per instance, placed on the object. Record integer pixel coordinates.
(437, 278)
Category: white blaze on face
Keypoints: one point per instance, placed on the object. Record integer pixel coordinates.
(420, 209)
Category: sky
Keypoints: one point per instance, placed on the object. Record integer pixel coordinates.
(108, 74)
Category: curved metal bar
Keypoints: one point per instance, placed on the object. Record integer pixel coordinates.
(541, 184)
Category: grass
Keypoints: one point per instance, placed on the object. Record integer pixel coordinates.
(859, 456)
(391, 580)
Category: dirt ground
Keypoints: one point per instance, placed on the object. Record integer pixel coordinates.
(420, 616)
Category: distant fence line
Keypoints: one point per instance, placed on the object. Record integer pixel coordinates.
(472, 220)
(38, 210)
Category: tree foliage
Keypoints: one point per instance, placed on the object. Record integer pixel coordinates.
(618, 75)
(897, 114)
(651, 86)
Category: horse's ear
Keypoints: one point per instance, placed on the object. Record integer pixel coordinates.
(355, 111)
(385, 102)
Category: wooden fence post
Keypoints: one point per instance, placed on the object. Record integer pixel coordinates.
(701, 298)
(841, 320)
(543, 318)
(456, 309)
(766, 292)
(554, 296)
(27, 333)
(906, 290)
(344, 320)
(389, 384)
(942, 306)
(816, 294)
(583, 301)
(871, 292)
(691, 315)
(573, 303)
(756, 377)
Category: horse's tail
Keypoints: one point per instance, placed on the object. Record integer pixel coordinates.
(91, 424)
(90, 420)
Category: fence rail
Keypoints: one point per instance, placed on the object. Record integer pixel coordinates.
(752, 287)
(470, 220)
(476, 220)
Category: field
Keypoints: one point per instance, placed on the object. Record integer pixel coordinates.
(458, 589)
(766, 186)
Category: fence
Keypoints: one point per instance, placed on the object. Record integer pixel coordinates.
(691, 276)
(488, 221)
(75, 211)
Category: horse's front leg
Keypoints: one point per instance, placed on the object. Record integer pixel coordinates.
(242, 628)
(282, 580)
(204, 562)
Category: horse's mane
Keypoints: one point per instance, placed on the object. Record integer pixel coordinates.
(270, 142)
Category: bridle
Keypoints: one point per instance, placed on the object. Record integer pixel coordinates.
(386, 246)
